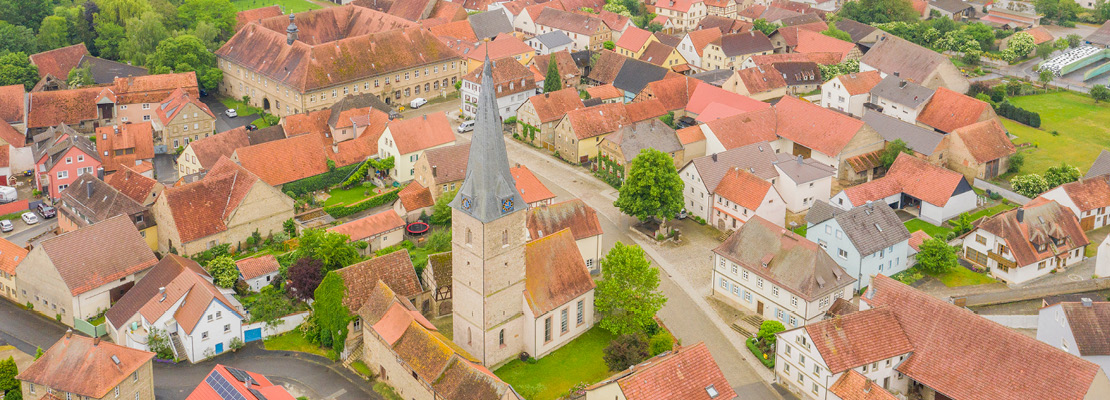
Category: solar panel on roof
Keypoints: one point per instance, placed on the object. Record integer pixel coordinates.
(239, 374)
(258, 394)
(222, 387)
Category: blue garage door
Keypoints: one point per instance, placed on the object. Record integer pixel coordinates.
(251, 335)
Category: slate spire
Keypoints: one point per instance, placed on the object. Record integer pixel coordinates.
(489, 191)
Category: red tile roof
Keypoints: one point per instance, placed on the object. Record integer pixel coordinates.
(395, 269)
(286, 160)
(917, 238)
(912, 176)
(12, 103)
(84, 366)
(859, 338)
(633, 39)
(553, 279)
(859, 83)
(854, 386)
(572, 214)
(134, 185)
(1040, 35)
(370, 226)
(986, 140)
(173, 105)
(597, 120)
(642, 110)
(682, 6)
(702, 38)
(201, 208)
(135, 140)
(1042, 222)
(814, 42)
(706, 94)
(674, 93)
(823, 58)
(760, 79)
(59, 61)
(455, 30)
(153, 88)
(744, 129)
(209, 150)
(418, 134)
(690, 134)
(1089, 193)
(257, 14)
(553, 106)
(1090, 325)
(685, 373)
(310, 122)
(813, 126)
(10, 256)
(743, 188)
(259, 383)
(69, 107)
(605, 92)
(414, 197)
(253, 267)
(948, 110)
(530, 188)
(500, 47)
(99, 254)
(947, 338)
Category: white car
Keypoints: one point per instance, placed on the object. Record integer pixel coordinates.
(30, 218)
(6, 225)
(466, 126)
(418, 102)
(231, 113)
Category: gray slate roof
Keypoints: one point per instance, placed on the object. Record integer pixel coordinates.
(1101, 165)
(744, 43)
(715, 77)
(635, 75)
(1101, 36)
(757, 158)
(106, 71)
(951, 6)
(554, 39)
(647, 134)
(870, 227)
(902, 92)
(802, 170)
(854, 29)
(918, 139)
(893, 54)
(489, 24)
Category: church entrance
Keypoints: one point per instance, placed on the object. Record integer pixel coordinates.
(265, 104)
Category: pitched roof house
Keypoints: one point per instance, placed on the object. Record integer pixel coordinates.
(866, 240)
(379, 230)
(283, 161)
(90, 200)
(849, 92)
(223, 379)
(1026, 242)
(531, 189)
(935, 193)
(10, 257)
(61, 157)
(77, 274)
(88, 367)
(980, 150)
(258, 272)
(224, 207)
(914, 63)
(629, 141)
(126, 144)
(514, 82)
(1087, 198)
(1078, 327)
(60, 61)
(407, 139)
(740, 196)
(685, 373)
(539, 115)
(947, 111)
(832, 138)
(729, 51)
(138, 187)
(575, 215)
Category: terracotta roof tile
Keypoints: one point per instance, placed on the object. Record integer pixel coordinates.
(912, 176)
(859, 83)
(286, 160)
(259, 383)
(170, 280)
(813, 42)
(1089, 193)
(395, 269)
(553, 106)
(949, 110)
(633, 39)
(854, 386)
(414, 197)
(209, 150)
(89, 200)
(743, 188)
(69, 107)
(643, 110)
(822, 129)
(500, 47)
(136, 141)
(675, 92)
(509, 76)
(465, 379)
(608, 65)
(173, 105)
(12, 103)
(706, 94)
(1042, 221)
(98, 254)
(253, 267)
(724, 25)
(859, 338)
(570, 21)
(10, 256)
(154, 88)
(744, 129)
(417, 134)
(310, 122)
(986, 140)
(1090, 326)
(370, 226)
(685, 373)
(247, 16)
(597, 120)
(917, 238)
(552, 278)
(701, 38)
(59, 61)
(947, 338)
(454, 30)
(201, 208)
(605, 92)
(530, 188)
(1040, 35)
(823, 58)
(84, 366)
(759, 79)
(134, 185)
(572, 214)
(690, 134)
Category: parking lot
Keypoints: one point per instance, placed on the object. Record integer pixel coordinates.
(223, 122)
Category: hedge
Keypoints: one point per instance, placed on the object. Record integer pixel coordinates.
(319, 182)
(768, 362)
(1007, 110)
(343, 211)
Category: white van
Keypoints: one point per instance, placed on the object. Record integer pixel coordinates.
(466, 126)
(8, 194)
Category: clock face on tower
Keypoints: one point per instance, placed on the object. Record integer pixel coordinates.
(466, 203)
(506, 205)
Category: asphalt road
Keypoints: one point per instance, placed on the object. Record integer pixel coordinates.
(302, 374)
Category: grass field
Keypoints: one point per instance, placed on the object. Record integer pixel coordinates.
(998, 208)
(293, 341)
(287, 6)
(1084, 129)
(348, 196)
(961, 276)
(915, 225)
(577, 361)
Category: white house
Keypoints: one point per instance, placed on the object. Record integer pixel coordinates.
(802, 182)
(900, 98)
(769, 270)
(849, 92)
(515, 83)
(866, 241)
(1088, 198)
(554, 319)
(550, 42)
(740, 196)
(929, 192)
(576, 216)
(1026, 243)
(405, 140)
(1078, 328)
(177, 299)
(379, 230)
(258, 272)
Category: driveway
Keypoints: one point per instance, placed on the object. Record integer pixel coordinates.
(223, 122)
(165, 168)
(304, 375)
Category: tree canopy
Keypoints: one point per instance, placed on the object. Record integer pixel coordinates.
(304, 277)
(1060, 174)
(652, 187)
(1021, 43)
(628, 298)
(223, 270)
(143, 37)
(331, 249)
(218, 13)
(1100, 93)
(892, 150)
(186, 53)
(552, 82)
(836, 33)
(1031, 185)
(879, 11)
(16, 68)
(17, 39)
(28, 13)
(441, 211)
(936, 256)
(8, 383)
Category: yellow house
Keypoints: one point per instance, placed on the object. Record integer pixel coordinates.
(729, 51)
(662, 55)
(13, 255)
(89, 200)
(633, 42)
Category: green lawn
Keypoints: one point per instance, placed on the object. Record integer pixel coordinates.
(576, 362)
(288, 6)
(961, 276)
(361, 368)
(241, 108)
(293, 341)
(915, 225)
(347, 196)
(986, 212)
(1084, 129)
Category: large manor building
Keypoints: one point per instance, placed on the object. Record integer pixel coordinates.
(297, 63)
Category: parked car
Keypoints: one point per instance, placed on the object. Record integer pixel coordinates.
(466, 126)
(418, 102)
(46, 211)
(203, 93)
(6, 225)
(231, 113)
(252, 127)
(29, 218)
(8, 194)
(681, 214)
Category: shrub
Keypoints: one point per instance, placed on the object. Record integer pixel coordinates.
(768, 359)
(1005, 109)
(318, 182)
(236, 344)
(361, 245)
(625, 351)
(766, 335)
(661, 343)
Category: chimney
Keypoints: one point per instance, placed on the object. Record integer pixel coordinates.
(96, 340)
(902, 84)
(69, 333)
(291, 31)
(1020, 215)
(714, 157)
(1086, 302)
(799, 160)
(896, 73)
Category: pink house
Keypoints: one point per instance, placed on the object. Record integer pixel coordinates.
(61, 155)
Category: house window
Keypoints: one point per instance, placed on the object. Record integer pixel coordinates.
(219, 314)
(227, 328)
(547, 330)
(980, 239)
(565, 321)
(794, 301)
(204, 335)
(744, 274)
(209, 317)
(63, 174)
(774, 290)
(759, 282)
(581, 311)
(69, 160)
(843, 254)
(80, 158)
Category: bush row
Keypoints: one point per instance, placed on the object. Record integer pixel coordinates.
(318, 182)
(344, 210)
(1005, 109)
(768, 362)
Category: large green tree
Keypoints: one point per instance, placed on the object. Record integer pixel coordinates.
(628, 298)
(329, 313)
(53, 33)
(223, 270)
(8, 383)
(1100, 93)
(120, 12)
(16, 68)
(1021, 43)
(892, 150)
(652, 188)
(109, 39)
(763, 26)
(329, 248)
(936, 256)
(143, 37)
(1060, 174)
(27, 13)
(552, 82)
(186, 53)
(17, 38)
(441, 211)
(219, 13)
(879, 11)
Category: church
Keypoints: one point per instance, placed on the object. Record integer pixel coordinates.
(513, 294)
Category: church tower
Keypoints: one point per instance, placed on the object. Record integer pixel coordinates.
(488, 224)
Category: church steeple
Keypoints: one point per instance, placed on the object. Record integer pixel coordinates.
(488, 192)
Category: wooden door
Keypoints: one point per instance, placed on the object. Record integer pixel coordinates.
(1087, 223)
(759, 307)
(991, 169)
